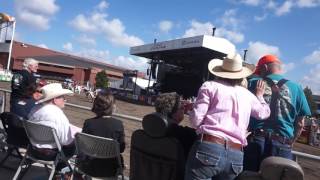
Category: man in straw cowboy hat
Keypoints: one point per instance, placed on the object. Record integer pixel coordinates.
(288, 105)
(49, 112)
(221, 115)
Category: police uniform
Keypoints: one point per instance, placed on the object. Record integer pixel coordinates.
(23, 85)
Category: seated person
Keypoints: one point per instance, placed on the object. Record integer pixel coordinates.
(22, 107)
(169, 104)
(103, 125)
(48, 111)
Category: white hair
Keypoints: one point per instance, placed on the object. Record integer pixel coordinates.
(29, 61)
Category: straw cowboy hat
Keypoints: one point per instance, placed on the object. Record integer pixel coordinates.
(51, 91)
(232, 67)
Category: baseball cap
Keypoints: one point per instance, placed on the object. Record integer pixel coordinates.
(267, 59)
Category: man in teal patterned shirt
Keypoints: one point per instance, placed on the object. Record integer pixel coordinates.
(288, 105)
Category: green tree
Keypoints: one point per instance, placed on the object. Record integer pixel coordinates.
(311, 102)
(102, 80)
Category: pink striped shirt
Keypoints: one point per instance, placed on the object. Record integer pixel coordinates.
(223, 110)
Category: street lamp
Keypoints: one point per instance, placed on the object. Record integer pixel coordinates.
(9, 21)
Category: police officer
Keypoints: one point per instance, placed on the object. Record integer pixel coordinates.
(23, 85)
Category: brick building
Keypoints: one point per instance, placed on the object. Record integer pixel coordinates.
(59, 66)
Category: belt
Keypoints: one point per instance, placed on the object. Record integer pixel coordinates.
(222, 141)
(272, 136)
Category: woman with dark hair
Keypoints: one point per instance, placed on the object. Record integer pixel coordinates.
(103, 125)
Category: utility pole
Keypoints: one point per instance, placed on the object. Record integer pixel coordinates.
(245, 54)
(8, 21)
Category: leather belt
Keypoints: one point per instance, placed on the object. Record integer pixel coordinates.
(222, 141)
(272, 136)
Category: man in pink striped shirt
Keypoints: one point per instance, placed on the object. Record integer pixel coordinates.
(221, 116)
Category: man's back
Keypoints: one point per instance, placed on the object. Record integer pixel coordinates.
(22, 84)
(290, 104)
(52, 116)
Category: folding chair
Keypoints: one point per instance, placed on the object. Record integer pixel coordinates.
(14, 135)
(98, 147)
(275, 168)
(41, 134)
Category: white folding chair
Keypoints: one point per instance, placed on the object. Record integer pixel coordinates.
(41, 134)
(98, 147)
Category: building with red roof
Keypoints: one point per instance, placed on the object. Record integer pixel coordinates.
(58, 65)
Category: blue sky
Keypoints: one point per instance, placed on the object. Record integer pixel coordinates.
(104, 30)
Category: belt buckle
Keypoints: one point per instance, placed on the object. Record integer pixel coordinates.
(268, 134)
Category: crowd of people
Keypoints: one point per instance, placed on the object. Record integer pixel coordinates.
(235, 125)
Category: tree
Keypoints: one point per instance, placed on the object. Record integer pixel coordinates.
(311, 102)
(102, 80)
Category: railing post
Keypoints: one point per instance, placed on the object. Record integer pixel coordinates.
(4, 101)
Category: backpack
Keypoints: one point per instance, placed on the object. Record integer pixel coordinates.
(275, 88)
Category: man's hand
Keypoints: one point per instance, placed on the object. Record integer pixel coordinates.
(298, 127)
(260, 88)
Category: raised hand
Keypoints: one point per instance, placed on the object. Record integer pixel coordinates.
(260, 88)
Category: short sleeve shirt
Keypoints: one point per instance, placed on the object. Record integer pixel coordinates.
(291, 104)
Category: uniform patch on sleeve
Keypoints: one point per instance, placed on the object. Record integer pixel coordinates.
(17, 80)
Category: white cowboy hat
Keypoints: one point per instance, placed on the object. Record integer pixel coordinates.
(232, 67)
(51, 91)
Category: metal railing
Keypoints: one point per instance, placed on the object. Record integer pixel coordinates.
(132, 118)
(297, 154)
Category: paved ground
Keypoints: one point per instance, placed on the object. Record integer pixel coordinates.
(77, 117)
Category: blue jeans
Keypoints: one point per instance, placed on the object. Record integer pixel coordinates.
(208, 161)
(259, 148)
(22, 107)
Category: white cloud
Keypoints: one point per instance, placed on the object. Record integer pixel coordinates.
(312, 79)
(251, 2)
(198, 28)
(284, 8)
(288, 67)
(112, 29)
(83, 24)
(230, 20)
(165, 26)
(233, 36)
(260, 18)
(130, 63)
(133, 63)
(94, 54)
(258, 49)
(36, 13)
(85, 40)
(313, 58)
(67, 46)
(271, 4)
(102, 5)
(17, 36)
(280, 8)
(308, 3)
(43, 46)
